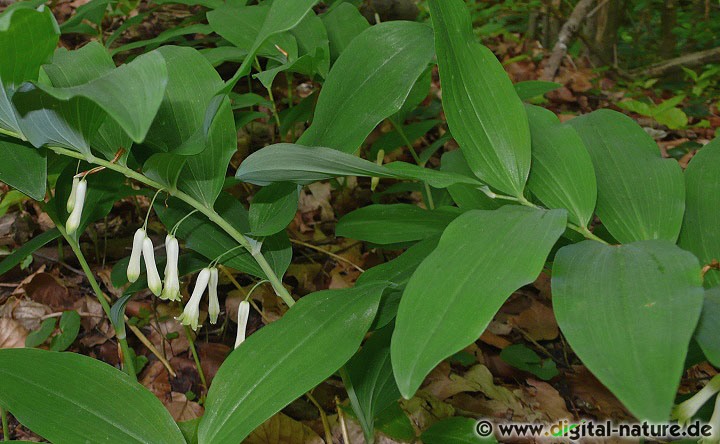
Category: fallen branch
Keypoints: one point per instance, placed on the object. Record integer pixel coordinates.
(688, 60)
(566, 35)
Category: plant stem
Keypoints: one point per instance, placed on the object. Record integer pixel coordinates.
(129, 364)
(191, 341)
(210, 213)
(403, 136)
(5, 427)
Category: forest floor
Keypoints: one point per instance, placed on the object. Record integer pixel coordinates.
(476, 382)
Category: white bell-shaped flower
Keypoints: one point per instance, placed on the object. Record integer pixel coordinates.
(243, 315)
(213, 302)
(73, 221)
(133, 269)
(191, 314)
(685, 411)
(171, 289)
(71, 200)
(153, 277)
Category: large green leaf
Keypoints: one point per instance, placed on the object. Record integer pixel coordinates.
(285, 162)
(464, 195)
(483, 111)
(343, 23)
(708, 329)
(395, 223)
(700, 233)
(369, 380)
(629, 312)
(28, 248)
(67, 397)
(641, 196)
(273, 208)
(285, 359)
(23, 168)
(27, 40)
(368, 83)
(483, 256)
(130, 94)
(562, 174)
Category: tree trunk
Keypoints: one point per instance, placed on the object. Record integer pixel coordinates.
(668, 21)
(567, 33)
(607, 21)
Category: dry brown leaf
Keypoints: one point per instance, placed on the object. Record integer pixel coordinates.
(547, 400)
(212, 356)
(46, 289)
(12, 334)
(183, 409)
(155, 378)
(590, 395)
(28, 313)
(538, 321)
(281, 429)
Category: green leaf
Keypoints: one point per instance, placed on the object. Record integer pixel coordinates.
(46, 391)
(164, 37)
(454, 430)
(41, 334)
(27, 249)
(285, 162)
(707, 330)
(240, 25)
(273, 208)
(699, 230)
(90, 12)
(130, 94)
(69, 329)
(431, 328)
(23, 168)
(283, 15)
(532, 88)
(395, 223)
(368, 83)
(562, 174)
(285, 359)
(393, 140)
(615, 304)
(521, 357)
(434, 178)
(343, 24)
(369, 380)
(466, 196)
(204, 173)
(641, 196)
(484, 113)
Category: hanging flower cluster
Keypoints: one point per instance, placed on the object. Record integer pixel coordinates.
(169, 289)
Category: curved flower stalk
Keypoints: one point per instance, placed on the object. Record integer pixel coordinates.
(133, 270)
(715, 424)
(684, 411)
(243, 315)
(213, 302)
(171, 290)
(153, 277)
(76, 202)
(191, 315)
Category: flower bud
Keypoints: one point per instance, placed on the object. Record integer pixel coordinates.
(191, 314)
(171, 290)
(73, 221)
(153, 277)
(243, 314)
(133, 269)
(213, 303)
(684, 411)
(71, 200)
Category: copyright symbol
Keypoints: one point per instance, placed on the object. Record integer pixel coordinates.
(484, 428)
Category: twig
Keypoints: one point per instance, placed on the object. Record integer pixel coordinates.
(343, 425)
(323, 417)
(324, 251)
(565, 37)
(692, 59)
